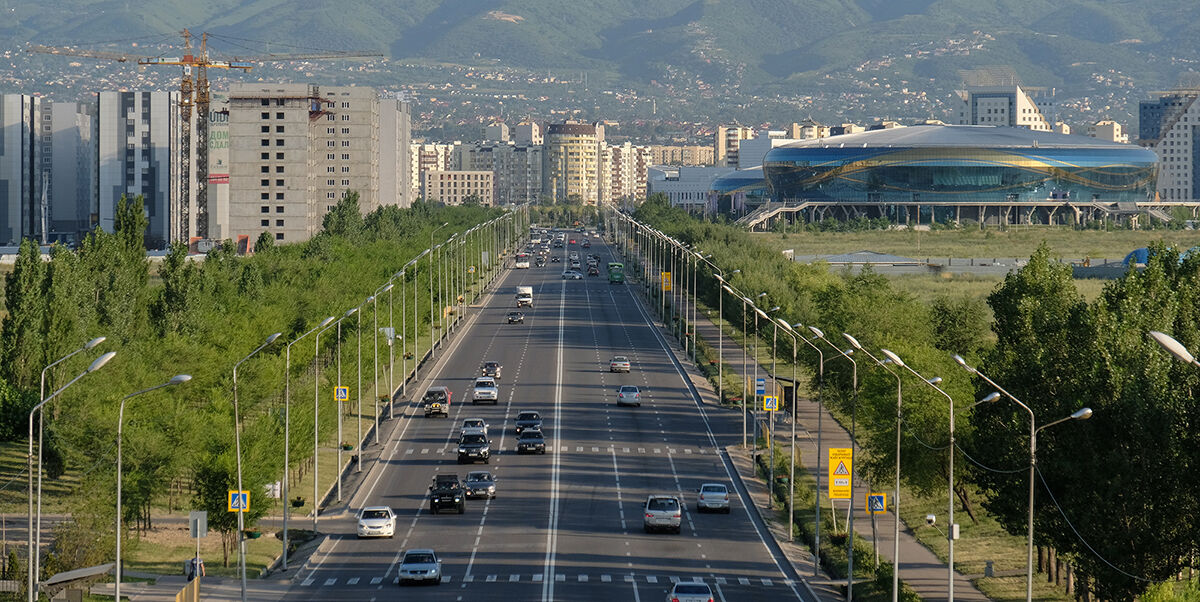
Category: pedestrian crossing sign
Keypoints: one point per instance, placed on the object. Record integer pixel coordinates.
(666, 281)
(239, 501)
(770, 403)
(876, 503)
(840, 468)
(341, 393)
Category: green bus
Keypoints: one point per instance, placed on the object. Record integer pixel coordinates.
(616, 273)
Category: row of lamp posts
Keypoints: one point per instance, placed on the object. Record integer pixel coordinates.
(650, 247)
(501, 233)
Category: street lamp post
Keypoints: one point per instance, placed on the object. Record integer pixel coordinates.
(1081, 414)
(896, 493)
(349, 313)
(287, 431)
(37, 527)
(853, 445)
(820, 417)
(237, 439)
(387, 288)
(745, 369)
(175, 380)
(316, 420)
(787, 329)
(950, 501)
(770, 415)
(33, 553)
(431, 270)
(358, 412)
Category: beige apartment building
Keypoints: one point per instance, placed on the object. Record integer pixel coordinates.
(727, 142)
(296, 149)
(690, 155)
(572, 162)
(454, 187)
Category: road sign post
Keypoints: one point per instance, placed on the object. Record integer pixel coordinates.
(770, 403)
(666, 281)
(839, 474)
(239, 501)
(877, 503)
(341, 393)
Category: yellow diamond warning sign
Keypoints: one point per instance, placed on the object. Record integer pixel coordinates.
(840, 466)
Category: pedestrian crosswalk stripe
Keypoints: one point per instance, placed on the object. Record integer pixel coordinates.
(490, 578)
(514, 577)
(307, 582)
(425, 450)
(537, 578)
(468, 578)
(595, 449)
(657, 450)
(376, 580)
(670, 450)
(445, 579)
(743, 581)
(651, 579)
(408, 451)
(721, 581)
(625, 449)
(688, 450)
(578, 449)
(766, 582)
(606, 578)
(330, 581)
(674, 579)
(560, 577)
(583, 578)
(352, 581)
(641, 450)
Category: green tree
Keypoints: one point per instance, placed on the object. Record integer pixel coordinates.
(345, 219)
(171, 311)
(265, 243)
(959, 323)
(22, 337)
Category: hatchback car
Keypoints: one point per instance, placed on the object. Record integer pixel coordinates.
(376, 521)
(480, 484)
(420, 565)
(712, 496)
(662, 512)
(690, 591)
(619, 363)
(629, 395)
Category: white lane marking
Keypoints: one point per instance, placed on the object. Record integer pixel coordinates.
(560, 577)
(766, 582)
(651, 579)
(712, 440)
(537, 577)
(552, 522)
(620, 503)
(490, 578)
(514, 578)
(720, 581)
(376, 580)
(307, 582)
(605, 578)
(720, 593)
(743, 581)
(352, 581)
(636, 596)
(331, 581)
(468, 579)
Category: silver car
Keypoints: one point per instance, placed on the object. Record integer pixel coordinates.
(376, 521)
(420, 565)
(662, 513)
(690, 591)
(629, 395)
(480, 484)
(712, 496)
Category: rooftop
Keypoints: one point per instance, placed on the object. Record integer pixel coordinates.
(923, 136)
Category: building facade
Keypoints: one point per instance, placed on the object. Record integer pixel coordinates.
(624, 173)
(1012, 106)
(1108, 130)
(691, 155)
(137, 155)
(1170, 126)
(516, 170)
(727, 142)
(572, 162)
(424, 156)
(456, 187)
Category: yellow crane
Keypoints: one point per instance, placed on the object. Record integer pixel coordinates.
(195, 95)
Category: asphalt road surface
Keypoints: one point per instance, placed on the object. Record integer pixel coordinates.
(566, 525)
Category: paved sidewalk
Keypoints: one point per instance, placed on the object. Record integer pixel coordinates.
(919, 567)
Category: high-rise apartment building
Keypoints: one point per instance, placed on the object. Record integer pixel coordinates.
(496, 132)
(18, 125)
(572, 162)
(516, 170)
(1012, 106)
(1109, 130)
(727, 142)
(137, 155)
(527, 133)
(424, 156)
(296, 149)
(456, 187)
(67, 161)
(625, 167)
(1170, 126)
(682, 155)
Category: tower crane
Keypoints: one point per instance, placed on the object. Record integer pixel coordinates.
(195, 94)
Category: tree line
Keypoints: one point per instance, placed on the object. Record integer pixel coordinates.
(1116, 496)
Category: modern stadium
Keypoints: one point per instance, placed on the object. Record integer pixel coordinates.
(950, 172)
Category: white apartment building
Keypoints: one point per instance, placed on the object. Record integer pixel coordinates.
(67, 161)
(687, 187)
(1110, 130)
(625, 167)
(1012, 106)
(296, 149)
(1170, 125)
(572, 162)
(527, 133)
(18, 123)
(727, 142)
(753, 150)
(137, 155)
(516, 170)
(424, 156)
(455, 187)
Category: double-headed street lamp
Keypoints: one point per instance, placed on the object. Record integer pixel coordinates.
(950, 531)
(787, 329)
(175, 380)
(387, 288)
(37, 527)
(432, 249)
(287, 429)
(1081, 414)
(820, 417)
(237, 439)
(33, 552)
(317, 416)
(352, 311)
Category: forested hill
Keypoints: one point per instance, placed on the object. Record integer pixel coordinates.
(722, 42)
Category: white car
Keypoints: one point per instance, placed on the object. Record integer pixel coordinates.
(690, 591)
(474, 426)
(629, 395)
(572, 275)
(485, 390)
(376, 521)
(712, 496)
(420, 565)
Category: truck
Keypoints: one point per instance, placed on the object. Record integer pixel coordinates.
(524, 296)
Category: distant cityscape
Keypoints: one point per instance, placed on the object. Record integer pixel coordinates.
(280, 155)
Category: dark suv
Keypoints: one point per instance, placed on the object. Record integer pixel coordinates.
(446, 492)
(491, 369)
(436, 401)
(472, 447)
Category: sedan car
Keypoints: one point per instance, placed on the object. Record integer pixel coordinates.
(619, 363)
(516, 317)
(712, 496)
(420, 565)
(473, 447)
(572, 275)
(376, 521)
(480, 484)
(555, 258)
(474, 425)
(531, 441)
(693, 591)
(629, 395)
(528, 420)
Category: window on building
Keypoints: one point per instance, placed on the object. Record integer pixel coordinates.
(279, 236)
(330, 130)
(266, 129)
(345, 143)
(279, 142)
(279, 209)
(279, 116)
(330, 182)
(264, 196)
(264, 222)
(279, 156)
(264, 209)
(279, 196)
(330, 117)
(345, 156)
(265, 168)
(264, 156)
(345, 130)
(266, 102)
(279, 129)
(329, 156)
(278, 169)
(265, 182)
(279, 182)
(266, 115)
(345, 182)
(329, 169)
(265, 142)
(279, 102)
(278, 223)
(330, 195)
(331, 143)
(345, 169)
(345, 118)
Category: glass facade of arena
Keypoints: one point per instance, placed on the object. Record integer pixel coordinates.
(736, 190)
(960, 174)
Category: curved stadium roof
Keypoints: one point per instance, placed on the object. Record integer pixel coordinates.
(987, 136)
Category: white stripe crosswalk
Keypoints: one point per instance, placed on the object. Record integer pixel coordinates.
(559, 577)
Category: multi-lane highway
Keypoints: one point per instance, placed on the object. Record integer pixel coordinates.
(566, 525)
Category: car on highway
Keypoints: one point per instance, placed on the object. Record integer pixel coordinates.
(446, 492)
(420, 565)
(376, 521)
(531, 441)
(593, 271)
(539, 262)
(515, 317)
(619, 363)
(662, 513)
(572, 275)
(474, 447)
(712, 496)
(629, 395)
(480, 484)
(690, 591)
(485, 390)
(436, 401)
(555, 258)
(473, 425)
(490, 368)
(527, 419)
(572, 241)
(587, 244)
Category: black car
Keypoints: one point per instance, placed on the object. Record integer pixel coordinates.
(593, 271)
(473, 447)
(515, 316)
(555, 258)
(531, 441)
(528, 420)
(491, 369)
(446, 492)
